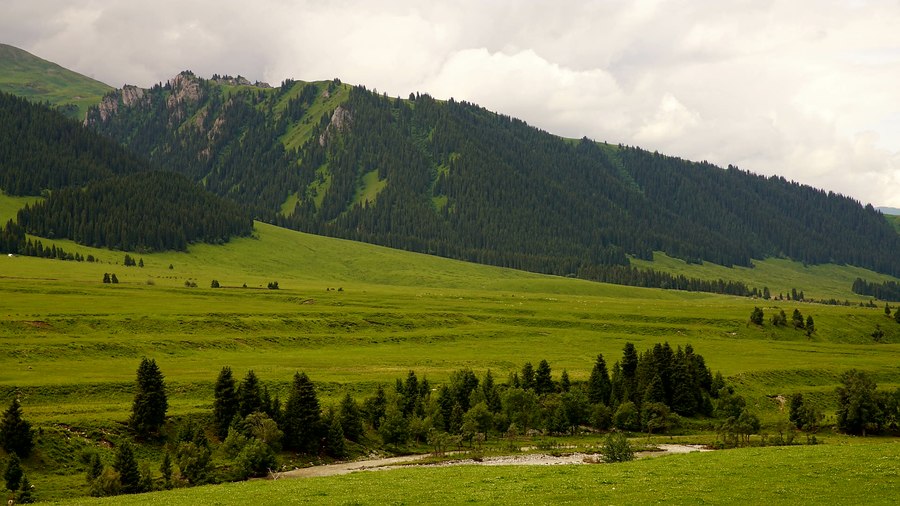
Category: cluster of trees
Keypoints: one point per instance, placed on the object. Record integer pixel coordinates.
(780, 319)
(113, 213)
(649, 278)
(863, 409)
(888, 290)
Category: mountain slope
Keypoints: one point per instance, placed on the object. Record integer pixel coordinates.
(26, 75)
(97, 192)
(453, 179)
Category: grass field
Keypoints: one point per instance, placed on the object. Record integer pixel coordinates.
(354, 315)
(785, 475)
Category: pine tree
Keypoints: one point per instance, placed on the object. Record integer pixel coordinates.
(599, 386)
(15, 432)
(95, 468)
(13, 473)
(148, 412)
(527, 376)
(25, 493)
(543, 382)
(302, 416)
(564, 383)
(225, 402)
(126, 465)
(165, 468)
(334, 440)
(351, 420)
(249, 395)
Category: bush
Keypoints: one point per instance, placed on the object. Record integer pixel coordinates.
(255, 459)
(627, 417)
(616, 448)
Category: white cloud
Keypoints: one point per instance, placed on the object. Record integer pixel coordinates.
(804, 89)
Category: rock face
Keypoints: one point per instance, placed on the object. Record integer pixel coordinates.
(340, 122)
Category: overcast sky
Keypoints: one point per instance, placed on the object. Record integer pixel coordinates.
(806, 89)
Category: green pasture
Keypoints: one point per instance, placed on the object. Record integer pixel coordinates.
(831, 474)
(354, 315)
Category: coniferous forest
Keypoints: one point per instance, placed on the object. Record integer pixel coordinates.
(453, 179)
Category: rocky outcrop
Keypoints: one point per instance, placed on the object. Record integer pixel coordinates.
(341, 120)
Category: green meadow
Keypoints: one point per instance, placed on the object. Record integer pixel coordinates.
(773, 475)
(353, 316)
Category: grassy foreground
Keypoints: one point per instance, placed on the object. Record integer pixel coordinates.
(838, 474)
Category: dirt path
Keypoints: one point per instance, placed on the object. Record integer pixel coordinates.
(530, 459)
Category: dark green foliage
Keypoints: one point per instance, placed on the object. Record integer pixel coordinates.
(194, 460)
(655, 417)
(616, 448)
(528, 376)
(127, 467)
(803, 415)
(273, 285)
(214, 283)
(351, 419)
(249, 395)
(756, 316)
(255, 459)
(376, 405)
(394, 428)
(857, 407)
(15, 432)
(13, 473)
(41, 149)
(543, 382)
(334, 438)
(491, 393)
(779, 319)
(94, 467)
(565, 384)
(129, 261)
(148, 412)
(112, 213)
(810, 325)
(888, 290)
(113, 279)
(797, 319)
(106, 484)
(302, 423)
(225, 402)
(25, 494)
(165, 469)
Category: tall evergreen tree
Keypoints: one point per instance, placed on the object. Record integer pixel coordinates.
(15, 432)
(225, 402)
(148, 412)
(351, 419)
(13, 473)
(543, 381)
(302, 416)
(250, 395)
(599, 386)
(527, 376)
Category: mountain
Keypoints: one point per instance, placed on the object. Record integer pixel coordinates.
(26, 75)
(98, 193)
(453, 179)
(893, 211)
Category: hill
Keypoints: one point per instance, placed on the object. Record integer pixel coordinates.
(98, 192)
(456, 180)
(26, 75)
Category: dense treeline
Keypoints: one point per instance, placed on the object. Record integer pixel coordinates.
(889, 290)
(458, 181)
(42, 149)
(150, 211)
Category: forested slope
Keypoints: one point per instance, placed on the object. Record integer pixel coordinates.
(453, 179)
(98, 193)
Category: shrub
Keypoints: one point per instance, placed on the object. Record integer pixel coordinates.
(616, 448)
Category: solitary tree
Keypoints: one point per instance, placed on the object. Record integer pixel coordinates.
(225, 401)
(15, 432)
(148, 412)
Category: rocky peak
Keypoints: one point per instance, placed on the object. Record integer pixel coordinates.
(185, 88)
(341, 119)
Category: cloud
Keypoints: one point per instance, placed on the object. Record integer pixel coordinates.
(803, 89)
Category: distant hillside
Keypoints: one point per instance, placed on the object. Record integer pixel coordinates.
(893, 211)
(26, 75)
(98, 193)
(453, 179)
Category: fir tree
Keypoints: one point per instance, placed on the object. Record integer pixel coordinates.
(25, 495)
(543, 382)
(15, 432)
(334, 440)
(351, 420)
(13, 473)
(225, 402)
(302, 417)
(249, 395)
(126, 465)
(599, 386)
(148, 412)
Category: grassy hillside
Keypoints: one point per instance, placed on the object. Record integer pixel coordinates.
(894, 220)
(26, 75)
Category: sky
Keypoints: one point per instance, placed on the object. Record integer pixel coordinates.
(806, 89)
